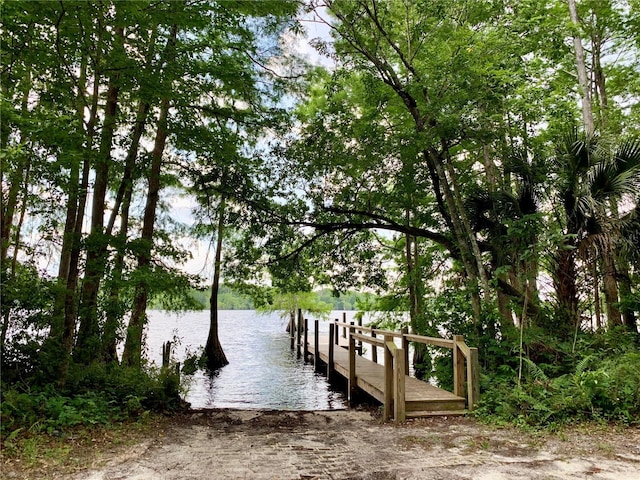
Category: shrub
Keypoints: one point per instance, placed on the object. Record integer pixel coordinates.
(94, 395)
(598, 389)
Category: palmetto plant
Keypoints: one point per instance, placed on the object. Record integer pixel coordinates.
(597, 183)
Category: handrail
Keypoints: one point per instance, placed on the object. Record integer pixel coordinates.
(368, 329)
(437, 342)
(462, 354)
(349, 325)
(371, 340)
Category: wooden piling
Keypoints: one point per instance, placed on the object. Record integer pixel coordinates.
(299, 332)
(344, 320)
(333, 333)
(374, 349)
(292, 329)
(166, 353)
(353, 388)
(316, 346)
(473, 378)
(305, 343)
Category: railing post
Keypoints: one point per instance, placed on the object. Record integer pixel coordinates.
(458, 367)
(405, 347)
(166, 353)
(374, 349)
(333, 333)
(473, 378)
(360, 341)
(352, 367)
(305, 342)
(336, 337)
(299, 332)
(292, 329)
(344, 320)
(316, 346)
(388, 379)
(399, 406)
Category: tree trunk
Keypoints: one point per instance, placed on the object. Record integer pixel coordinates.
(596, 293)
(567, 292)
(465, 250)
(599, 79)
(114, 311)
(610, 286)
(213, 350)
(7, 213)
(88, 341)
(629, 318)
(132, 354)
(62, 336)
(421, 358)
(583, 78)
(15, 180)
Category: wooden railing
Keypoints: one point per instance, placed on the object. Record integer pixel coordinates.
(396, 362)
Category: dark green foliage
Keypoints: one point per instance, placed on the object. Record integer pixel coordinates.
(26, 306)
(93, 395)
(595, 376)
(599, 383)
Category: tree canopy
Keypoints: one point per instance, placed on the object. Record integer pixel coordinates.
(475, 157)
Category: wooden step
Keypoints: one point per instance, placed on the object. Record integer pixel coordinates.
(436, 405)
(434, 413)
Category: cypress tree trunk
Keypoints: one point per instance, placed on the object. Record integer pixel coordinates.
(213, 350)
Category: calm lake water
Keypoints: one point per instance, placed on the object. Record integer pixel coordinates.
(263, 371)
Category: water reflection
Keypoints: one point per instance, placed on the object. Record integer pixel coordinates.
(263, 372)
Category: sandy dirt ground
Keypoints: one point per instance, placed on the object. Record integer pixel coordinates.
(346, 445)
(352, 444)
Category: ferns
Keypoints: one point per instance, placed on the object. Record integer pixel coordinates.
(597, 388)
(535, 371)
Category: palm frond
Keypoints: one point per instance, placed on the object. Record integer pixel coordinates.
(607, 180)
(628, 154)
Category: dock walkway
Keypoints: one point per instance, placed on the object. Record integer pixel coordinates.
(389, 383)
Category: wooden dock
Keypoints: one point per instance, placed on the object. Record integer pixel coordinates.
(389, 383)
